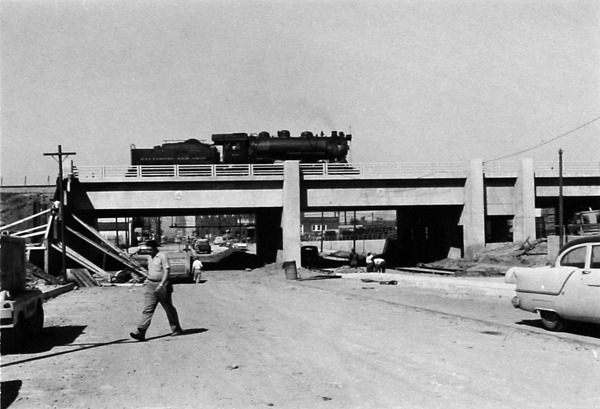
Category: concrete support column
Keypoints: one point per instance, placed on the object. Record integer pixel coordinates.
(473, 216)
(290, 221)
(524, 198)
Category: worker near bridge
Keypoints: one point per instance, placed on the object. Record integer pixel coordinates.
(158, 289)
(353, 258)
(197, 269)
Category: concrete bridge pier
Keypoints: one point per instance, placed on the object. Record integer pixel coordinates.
(473, 215)
(278, 231)
(524, 197)
(290, 221)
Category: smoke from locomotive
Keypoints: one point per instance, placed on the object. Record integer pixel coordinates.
(247, 148)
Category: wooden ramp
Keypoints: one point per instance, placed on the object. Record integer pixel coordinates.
(73, 255)
(112, 250)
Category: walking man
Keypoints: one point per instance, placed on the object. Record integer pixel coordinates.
(158, 289)
(197, 268)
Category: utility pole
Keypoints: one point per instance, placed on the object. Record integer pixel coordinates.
(354, 231)
(561, 233)
(60, 156)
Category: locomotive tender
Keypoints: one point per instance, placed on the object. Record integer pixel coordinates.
(247, 148)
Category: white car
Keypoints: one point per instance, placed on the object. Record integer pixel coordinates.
(240, 246)
(568, 291)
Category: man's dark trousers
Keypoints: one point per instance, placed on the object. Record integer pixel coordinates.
(151, 300)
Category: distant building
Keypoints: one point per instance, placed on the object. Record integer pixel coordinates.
(314, 224)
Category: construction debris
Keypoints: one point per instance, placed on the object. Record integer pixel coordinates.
(231, 259)
(381, 282)
(34, 273)
(82, 277)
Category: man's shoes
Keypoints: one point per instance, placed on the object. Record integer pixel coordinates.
(177, 332)
(138, 335)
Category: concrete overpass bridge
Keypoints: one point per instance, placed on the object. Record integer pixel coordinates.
(440, 206)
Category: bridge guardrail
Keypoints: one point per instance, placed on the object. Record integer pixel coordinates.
(400, 169)
(500, 168)
(183, 171)
(542, 168)
(572, 168)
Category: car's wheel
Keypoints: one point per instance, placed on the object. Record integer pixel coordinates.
(552, 321)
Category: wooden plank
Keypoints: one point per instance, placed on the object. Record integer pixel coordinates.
(49, 228)
(73, 255)
(82, 277)
(420, 270)
(127, 261)
(25, 219)
(108, 243)
(33, 229)
(72, 277)
(87, 278)
(41, 233)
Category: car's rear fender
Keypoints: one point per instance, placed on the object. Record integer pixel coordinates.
(535, 302)
(543, 280)
(545, 289)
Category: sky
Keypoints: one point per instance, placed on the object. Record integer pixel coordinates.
(412, 80)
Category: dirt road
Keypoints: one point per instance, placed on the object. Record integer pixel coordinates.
(254, 339)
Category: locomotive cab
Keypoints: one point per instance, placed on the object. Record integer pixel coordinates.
(235, 147)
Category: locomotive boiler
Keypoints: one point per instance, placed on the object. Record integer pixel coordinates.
(240, 148)
(263, 148)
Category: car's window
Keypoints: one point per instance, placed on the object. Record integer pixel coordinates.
(574, 258)
(595, 262)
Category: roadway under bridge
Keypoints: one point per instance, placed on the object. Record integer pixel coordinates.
(441, 208)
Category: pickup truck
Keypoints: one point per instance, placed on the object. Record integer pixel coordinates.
(585, 223)
(21, 310)
(567, 291)
(181, 266)
(21, 313)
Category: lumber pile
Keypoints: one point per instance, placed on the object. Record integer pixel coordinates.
(82, 277)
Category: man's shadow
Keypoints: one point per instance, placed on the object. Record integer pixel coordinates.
(46, 340)
(57, 336)
(189, 331)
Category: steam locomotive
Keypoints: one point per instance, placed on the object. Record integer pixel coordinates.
(247, 148)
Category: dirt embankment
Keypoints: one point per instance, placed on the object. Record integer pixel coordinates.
(17, 204)
(494, 260)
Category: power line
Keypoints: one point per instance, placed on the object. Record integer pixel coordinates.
(546, 142)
